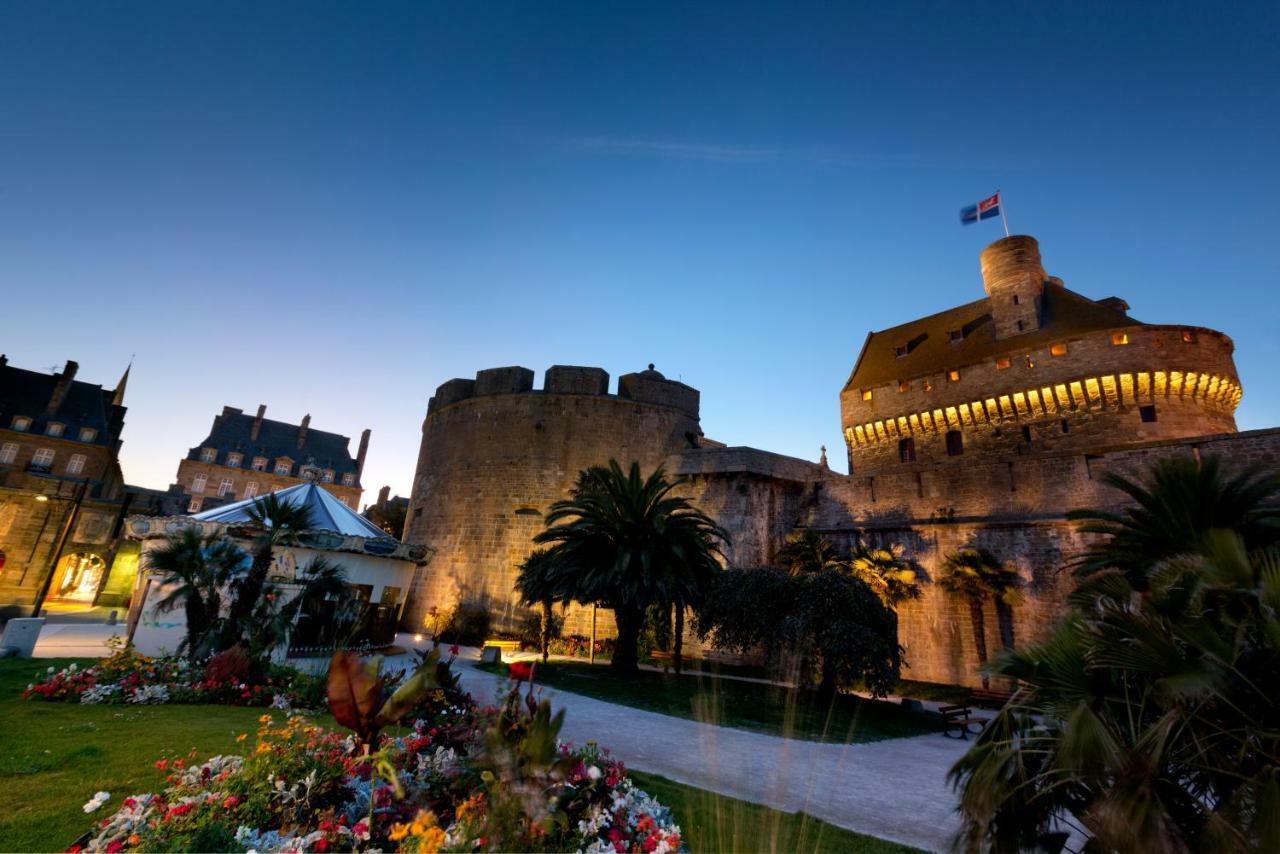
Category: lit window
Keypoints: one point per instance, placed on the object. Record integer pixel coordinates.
(953, 376)
(1119, 338)
(907, 450)
(327, 477)
(54, 429)
(197, 483)
(208, 455)
(955, 443)
(283, 468)
(1147, 413)
(21, 423)
(1002, 363)
(194, 506)
(75, 465)
(233, 460)
(1057, 349)
(251, 489)
(904, 386)
(8, 453)
(88, 434)
(225, 487)
(348, 479)
(866, 394)
(43, 458)
(1188, 337)
(259, 463)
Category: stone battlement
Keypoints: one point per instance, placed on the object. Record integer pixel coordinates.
(648, 386)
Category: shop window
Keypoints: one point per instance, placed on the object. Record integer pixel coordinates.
(955, 443)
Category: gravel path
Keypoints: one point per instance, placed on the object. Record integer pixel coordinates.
(892, 789)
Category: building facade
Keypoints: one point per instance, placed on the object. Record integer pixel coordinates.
(248, 455)
(62, 496)
(981, 426)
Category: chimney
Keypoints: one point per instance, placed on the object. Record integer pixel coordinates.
(360, 455)
(384, 495)
(4, 360)
(62, 386)
(257, 423)
(302, 430)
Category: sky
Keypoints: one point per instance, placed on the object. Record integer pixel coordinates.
(333, 208)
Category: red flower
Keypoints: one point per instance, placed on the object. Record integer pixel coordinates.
(162, 764)
(321, 845)
(453, 650)
(114, 845)
(614, 834)
(520, 670)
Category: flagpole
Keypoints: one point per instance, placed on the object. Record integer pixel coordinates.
(1003, 218)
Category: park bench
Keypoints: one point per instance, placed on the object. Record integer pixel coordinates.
(959, 718)
(988, 696)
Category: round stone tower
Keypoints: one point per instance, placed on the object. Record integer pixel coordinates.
(496, 453)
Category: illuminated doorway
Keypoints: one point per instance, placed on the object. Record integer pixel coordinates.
(79, 578)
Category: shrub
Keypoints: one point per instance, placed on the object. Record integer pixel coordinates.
(530, 634)
(468, 626)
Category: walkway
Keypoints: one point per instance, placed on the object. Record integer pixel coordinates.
(894, 789)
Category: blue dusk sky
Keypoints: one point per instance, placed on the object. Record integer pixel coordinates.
(333, 208)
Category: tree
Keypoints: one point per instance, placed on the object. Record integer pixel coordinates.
(807, 551)
(197, 568)
(889, 575)
(279, 523)
(835, 628)
(1147, 721)
(535, 584)
(1183, 502)
(975, 574)
(274, 619)
(624, 541)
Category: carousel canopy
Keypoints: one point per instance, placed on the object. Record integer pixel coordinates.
(327, 512)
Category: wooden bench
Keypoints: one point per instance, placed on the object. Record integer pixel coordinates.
(959, 718)
(988, 696)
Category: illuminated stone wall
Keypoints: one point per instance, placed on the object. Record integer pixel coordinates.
(496, 453)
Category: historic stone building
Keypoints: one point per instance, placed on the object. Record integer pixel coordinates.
(248, 455)
(62, 496)
(981, 426)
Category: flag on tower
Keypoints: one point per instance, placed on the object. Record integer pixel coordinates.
(985, 209)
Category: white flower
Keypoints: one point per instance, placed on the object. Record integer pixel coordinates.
(594, 773)
(50, 670)
(96, 801)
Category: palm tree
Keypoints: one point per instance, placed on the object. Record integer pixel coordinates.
(622, 540)
(975, 574)
(275, 620)
(279, 523)
(196, 568)
(889, 575)
(1147, 721)
(534, 584)
(1181, 503)
(806, 552)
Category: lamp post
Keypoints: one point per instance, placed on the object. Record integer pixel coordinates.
(81, 489)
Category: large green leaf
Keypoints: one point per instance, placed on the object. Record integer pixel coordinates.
(410, 693)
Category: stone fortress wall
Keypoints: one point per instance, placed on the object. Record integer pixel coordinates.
(496, 453)
(1038, 436)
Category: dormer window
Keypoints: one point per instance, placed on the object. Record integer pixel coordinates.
(901, 351)
(234, 460)
(866, 394)
(283, 467)
(956, 335)
(259, 464)
(328, 476)
(208, 455)
(88, 434)
(1059, 349)
(1119, 339)
(953, 375)
(903, 385)
(1188, 337)
(21, 423)
(348, 479)
(1002, 363)
(54, 429)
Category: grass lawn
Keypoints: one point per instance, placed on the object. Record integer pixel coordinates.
(712, 822)
(54, 756)
(745, 705)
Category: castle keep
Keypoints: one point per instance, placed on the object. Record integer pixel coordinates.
(980, 426)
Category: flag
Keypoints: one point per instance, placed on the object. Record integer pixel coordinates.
(985, 209)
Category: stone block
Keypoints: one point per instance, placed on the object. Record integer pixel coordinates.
(20, 636)
(570, 379)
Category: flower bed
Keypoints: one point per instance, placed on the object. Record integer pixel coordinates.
(579, 646)
(129, 677)
(459, 779)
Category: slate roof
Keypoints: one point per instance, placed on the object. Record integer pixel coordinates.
(28, 393)
(1064, 313)
(232, 430)
(327, 512)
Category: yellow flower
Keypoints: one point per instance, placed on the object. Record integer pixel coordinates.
(431, 841)
(263, 747)
(242, 736)
(266, 719)
(398, 832)
(422, 822)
